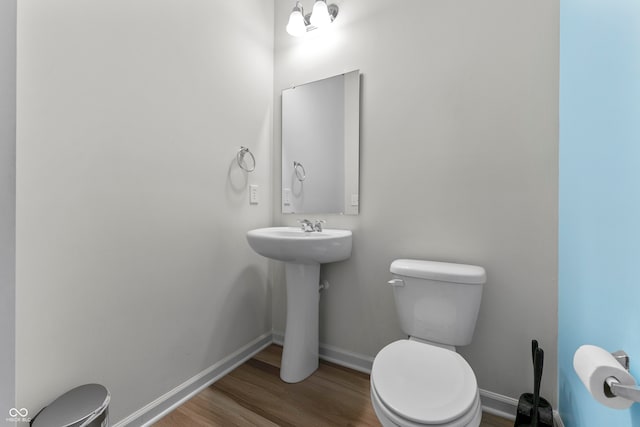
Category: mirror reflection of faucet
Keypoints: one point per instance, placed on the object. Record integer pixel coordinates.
(309, 227)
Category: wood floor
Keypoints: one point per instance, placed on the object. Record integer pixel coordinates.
(254, 395)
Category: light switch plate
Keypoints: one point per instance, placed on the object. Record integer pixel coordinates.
(286, 197)
(253, 194)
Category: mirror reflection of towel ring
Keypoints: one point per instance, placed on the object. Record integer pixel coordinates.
(240, 159)
(297, 166)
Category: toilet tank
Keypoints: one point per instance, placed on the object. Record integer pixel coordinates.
(437, 301)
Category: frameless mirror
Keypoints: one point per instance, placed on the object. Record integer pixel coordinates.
(321, 146)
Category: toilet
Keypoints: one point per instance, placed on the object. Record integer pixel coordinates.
(421, 381)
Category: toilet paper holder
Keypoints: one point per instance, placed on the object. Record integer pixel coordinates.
(613, 388)
(622, 357)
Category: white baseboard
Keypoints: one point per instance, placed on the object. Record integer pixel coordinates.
(506, 407)
(498, 404)
(166, 403)
(355, 361)
(492, 403)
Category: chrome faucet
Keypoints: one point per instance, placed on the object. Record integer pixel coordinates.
(309, 227)
(306, 225)
(318, 224)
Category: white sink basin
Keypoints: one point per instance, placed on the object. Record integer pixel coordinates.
(291, 244)
(302, 254)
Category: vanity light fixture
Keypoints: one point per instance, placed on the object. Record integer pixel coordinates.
(322, 15)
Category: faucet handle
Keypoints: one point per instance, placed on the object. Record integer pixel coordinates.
(317, 224)
(306, 225)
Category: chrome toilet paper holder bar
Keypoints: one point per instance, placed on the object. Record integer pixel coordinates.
(613, 388)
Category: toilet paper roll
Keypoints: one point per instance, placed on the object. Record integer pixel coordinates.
(594, 365)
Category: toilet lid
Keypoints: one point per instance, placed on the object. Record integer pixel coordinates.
(423, 383)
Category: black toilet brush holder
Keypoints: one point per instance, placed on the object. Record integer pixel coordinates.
(533, 410)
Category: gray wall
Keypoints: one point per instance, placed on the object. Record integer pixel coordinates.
(132, 268)
(7, 204)
(459, 139)
(132, 265)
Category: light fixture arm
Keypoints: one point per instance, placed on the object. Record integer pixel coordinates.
(298, 7)
(333, 11)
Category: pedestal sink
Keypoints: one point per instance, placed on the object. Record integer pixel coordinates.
(302, 252)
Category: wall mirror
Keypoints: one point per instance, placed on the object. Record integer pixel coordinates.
(321, 146)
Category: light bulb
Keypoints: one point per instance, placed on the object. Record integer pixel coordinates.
(296, 26)
(320, 15)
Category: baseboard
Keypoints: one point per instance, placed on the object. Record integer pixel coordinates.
(497, 404)
(493, 403)
(506, 407)
(166, 403)
(355, 361)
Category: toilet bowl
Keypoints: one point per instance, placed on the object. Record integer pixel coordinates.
(419, 384)
(422, 381)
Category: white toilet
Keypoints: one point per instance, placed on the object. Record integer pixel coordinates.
(422, 381)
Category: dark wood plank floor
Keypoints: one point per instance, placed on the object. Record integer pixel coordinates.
(254, 395)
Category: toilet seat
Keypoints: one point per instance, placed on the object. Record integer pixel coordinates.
(389, 419)
(424, 385)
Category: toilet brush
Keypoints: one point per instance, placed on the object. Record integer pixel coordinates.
(534, 410)
(537, 377)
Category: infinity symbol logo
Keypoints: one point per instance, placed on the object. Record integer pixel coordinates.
(13, 412)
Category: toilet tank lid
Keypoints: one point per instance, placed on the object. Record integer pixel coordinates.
(442, 271)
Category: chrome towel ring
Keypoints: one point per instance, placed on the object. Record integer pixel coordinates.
(240, 159)
(297, 167)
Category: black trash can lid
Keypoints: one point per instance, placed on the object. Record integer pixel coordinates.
(74, 406)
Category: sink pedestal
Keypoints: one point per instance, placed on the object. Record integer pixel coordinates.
(301, 341)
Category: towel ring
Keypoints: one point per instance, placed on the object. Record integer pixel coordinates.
(240, 159)
(297, 166)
